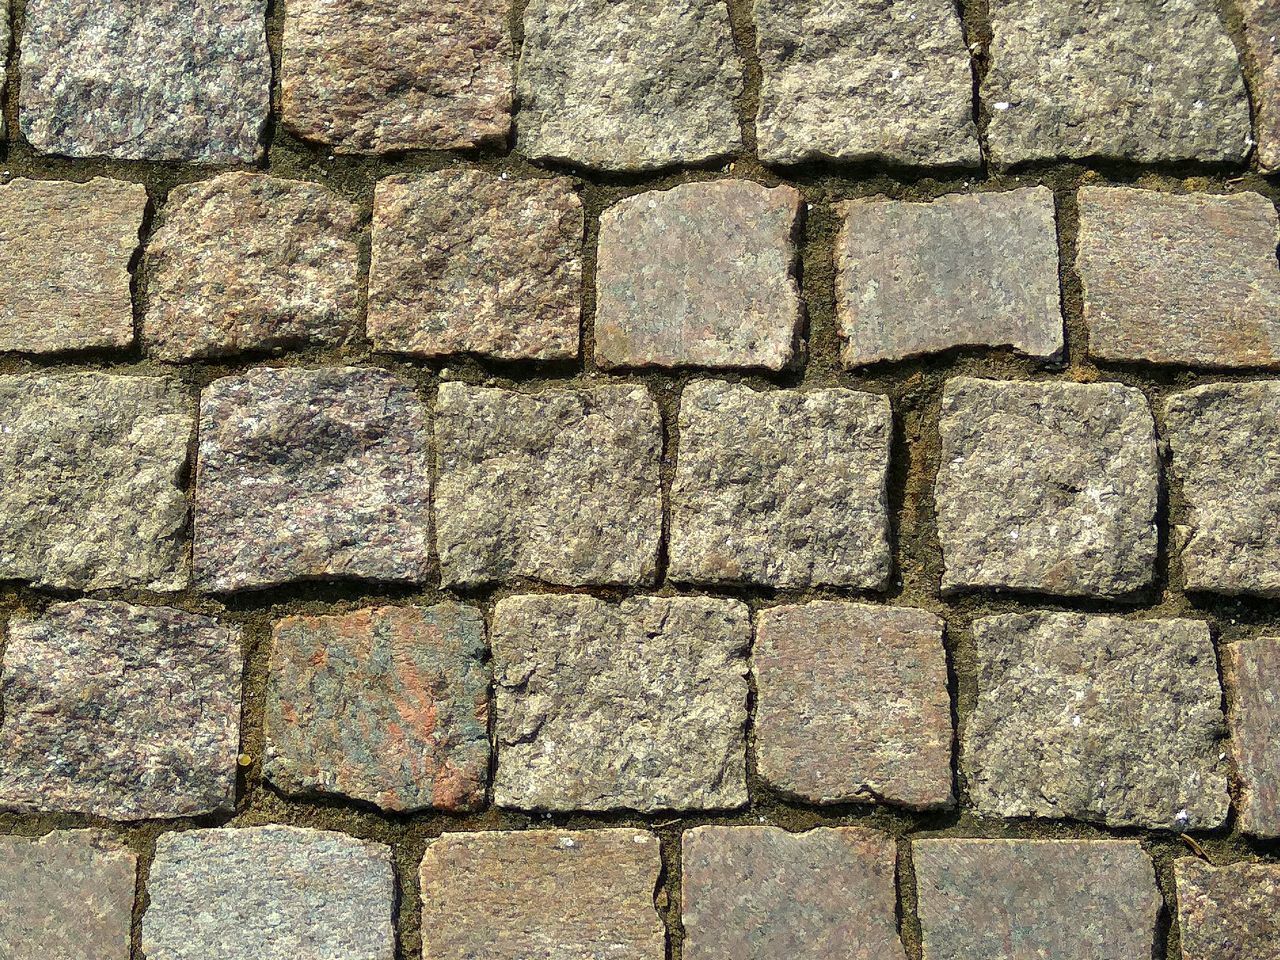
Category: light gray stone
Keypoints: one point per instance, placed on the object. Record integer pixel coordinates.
(1262, 46)
(1229, 912)
(1251, 671)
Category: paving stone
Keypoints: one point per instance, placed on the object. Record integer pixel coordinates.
(64, 263)
(467, 262)
(1188, 279)
(1049, 899)
(510, 895)
(65, 896)
(1097, 718)
(560, 486)
(311, 475)
(269, 893)
(5, 37)
(1225, 446)
(251, 262)
(850, 81)
(120, 711)
(388, 705)
(970, 270)
(1125, 80)
(628, 84)
(1231, 912)
(162, 80)
(764, 893)
(852, 704)
(702, 275)
(1261, 36)
(91, 469)
(372, 76)
(639, 706)
(1251, 670)
(1049, 487)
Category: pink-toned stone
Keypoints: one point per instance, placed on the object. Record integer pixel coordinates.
(1251, 669)
(1231, 912)
(1262, 46)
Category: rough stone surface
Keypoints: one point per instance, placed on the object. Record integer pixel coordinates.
(269, 893)
(387, 705)
(701, 275)
(162, 80)
(1262, 45)
(639, 706)
(467, 262)
(120, 711)
(251, 262)
(371, 76)
(852, 704)
(1049, 487)
(1224, 441)
(1188, 279)
(970, 270)
(767, 894)
(311, 475)
(1231, 912)
(1097, 718)
(64, 263)
(560, 486)
(1049, 899)
(557, 894)
(628, 84)
(91, 469)
(854, 81)
(1251, 669)
(1126, 79)
(5, 37)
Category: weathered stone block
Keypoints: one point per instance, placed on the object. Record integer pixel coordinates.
(545, 893)
(5, 37)
(250, 262)
(639, 706)
(467, 262)
(560, 486)
(387, 705)
(120, 711)
(1251, 669)
(1262, 45)
(1188, 279)
(764, 893)
(1097, 718)
(372, 76)
(970, 270)
(311, 475)
(852, 704)
(701, 275)
(1231, 912)
(269, 893)
(91, 469)
(1050, 487)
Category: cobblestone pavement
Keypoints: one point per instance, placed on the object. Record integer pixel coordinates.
(640, 480)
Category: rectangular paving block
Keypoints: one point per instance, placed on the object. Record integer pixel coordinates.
(311, 475)
(64, 263)
(1125, 80)
(852, 704)
(969, 270)
(91, 470)
(5, 36)
(468, 262)
(251, 262)
(1049, 487)
(1048, 899)
(120, 711)
(269, 893)
(701, 275)
(1186, 279)
(1228, 912)
(560, 486)
(781, 488)
(640, 705)
(1099, 719)
(385, 705)
(374, 76)
(513, 895)
(1262, 47)
(1251, 671)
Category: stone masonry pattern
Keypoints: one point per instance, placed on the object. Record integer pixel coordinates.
(640, 480)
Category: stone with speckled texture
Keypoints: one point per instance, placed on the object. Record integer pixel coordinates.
(1228, 912)
(5, 35)
(1262, 46)
(1251, 671)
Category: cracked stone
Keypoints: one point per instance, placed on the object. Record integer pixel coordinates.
(1251, 670)
(638, 706)
(1099, 719)
(467, 262)
(701, 275)
(251, 262)
(1262, 46)
(1048, 486)
(1228, 912)
(120, 711)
